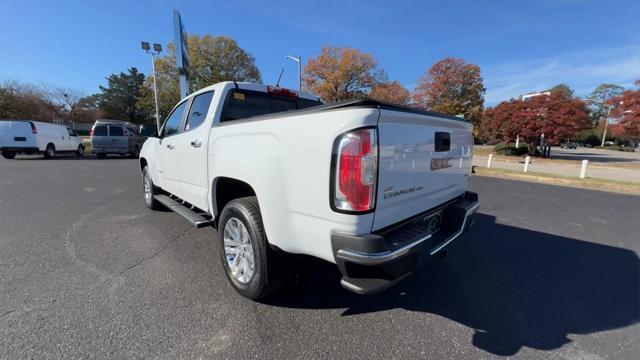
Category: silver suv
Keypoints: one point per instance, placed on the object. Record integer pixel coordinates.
(115, 137)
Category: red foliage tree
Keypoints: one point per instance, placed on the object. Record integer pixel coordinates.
(557, 116)
(626, 107)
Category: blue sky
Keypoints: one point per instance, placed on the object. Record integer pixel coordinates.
(521, 46)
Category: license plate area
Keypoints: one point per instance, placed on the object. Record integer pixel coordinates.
(414, 230)
(430, 223)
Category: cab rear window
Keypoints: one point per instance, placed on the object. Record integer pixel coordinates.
(100, 130)
(241, 104)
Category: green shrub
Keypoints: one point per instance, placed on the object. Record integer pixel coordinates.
(510, 149)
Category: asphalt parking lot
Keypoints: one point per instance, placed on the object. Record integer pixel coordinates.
(86, 271)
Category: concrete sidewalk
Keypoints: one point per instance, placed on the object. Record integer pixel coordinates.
(596, 171)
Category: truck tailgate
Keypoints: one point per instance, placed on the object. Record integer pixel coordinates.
(415, 173)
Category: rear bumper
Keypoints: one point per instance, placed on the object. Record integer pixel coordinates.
(373, 262)
(110, 150)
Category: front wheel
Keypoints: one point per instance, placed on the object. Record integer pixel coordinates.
(252, 267)
(8, 154)
(149, 191)
(102, 156)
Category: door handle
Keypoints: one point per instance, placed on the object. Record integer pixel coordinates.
(170, 146)
(196, 143)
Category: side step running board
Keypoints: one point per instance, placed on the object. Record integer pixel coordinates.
(193, 217)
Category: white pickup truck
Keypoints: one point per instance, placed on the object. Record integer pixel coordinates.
(375, 188)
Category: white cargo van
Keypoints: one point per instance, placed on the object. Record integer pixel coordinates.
(31, 137)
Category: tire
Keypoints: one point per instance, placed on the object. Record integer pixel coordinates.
(50, 151)
(102, 156)
(150, 190)
(135, 153)
(80, 150)
(268, 273)
(8, 154)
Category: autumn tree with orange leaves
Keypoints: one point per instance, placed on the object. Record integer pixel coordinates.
(452, 86)
(392, 92)
(342, 73)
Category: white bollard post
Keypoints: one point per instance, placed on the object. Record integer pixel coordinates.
(526, 163)
(489, 161)
(583, 169)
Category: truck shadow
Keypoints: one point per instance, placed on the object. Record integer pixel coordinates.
(514, 286)
(66, 157)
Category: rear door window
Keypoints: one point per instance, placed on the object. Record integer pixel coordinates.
(115, 130)
(198, 111)
(100, 130)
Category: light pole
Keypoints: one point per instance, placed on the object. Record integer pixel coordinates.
(157, 49)
(299, 61)
(606, 122)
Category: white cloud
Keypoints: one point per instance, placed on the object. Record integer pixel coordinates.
(582, 70)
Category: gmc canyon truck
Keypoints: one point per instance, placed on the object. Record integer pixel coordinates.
(374, 188)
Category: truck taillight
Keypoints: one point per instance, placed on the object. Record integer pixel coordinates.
(356, 171)
(91, 132)
(33, 128)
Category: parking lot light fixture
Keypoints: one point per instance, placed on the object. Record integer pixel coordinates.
(157, 49)
(299, 61)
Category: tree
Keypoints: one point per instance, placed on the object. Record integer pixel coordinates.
(599, 100)
(557, 116)
(43, 103)
(626, 107)
(88, 109)
(61, 102)
(118, 99)
(22, 101)
(564, 89)
(341, 73)
(392, 92)
(452, 86)
(213, 59)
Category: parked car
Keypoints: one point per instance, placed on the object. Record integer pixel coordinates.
(147, 130)
(32, 137)
(115, 137)
(277, 173)
(568, 145)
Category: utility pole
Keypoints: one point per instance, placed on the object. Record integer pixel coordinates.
(606, 122)
(157, 49)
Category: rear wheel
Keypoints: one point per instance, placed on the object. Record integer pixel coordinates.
(102, 155)
(50, 151)
(8, 154)
(252, 267)
(80, 150)
(149, 191)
